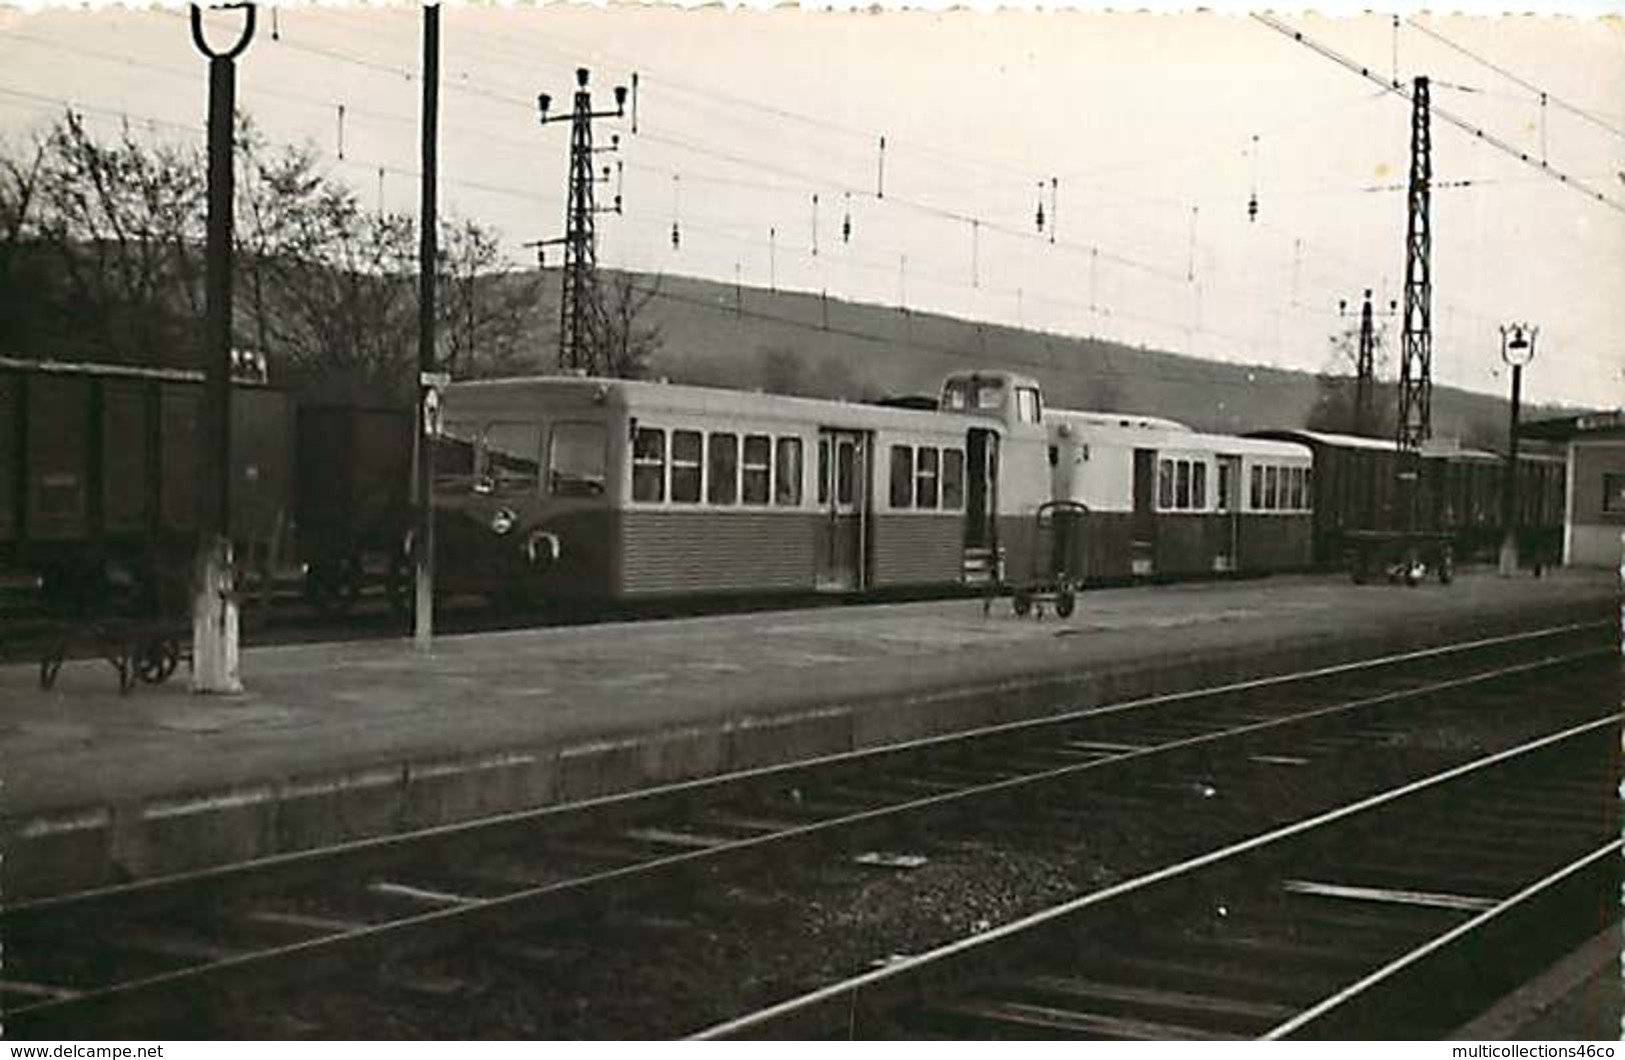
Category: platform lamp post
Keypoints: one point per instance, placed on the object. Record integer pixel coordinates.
(214, 601)
(1517, 350)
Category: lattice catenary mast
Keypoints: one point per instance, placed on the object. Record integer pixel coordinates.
(1414, 424)
(580, 312)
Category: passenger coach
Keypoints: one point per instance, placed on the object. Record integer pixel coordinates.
(583, 489)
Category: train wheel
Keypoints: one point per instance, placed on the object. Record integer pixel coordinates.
(156, 659)
(1065, 602)
(1021, 603)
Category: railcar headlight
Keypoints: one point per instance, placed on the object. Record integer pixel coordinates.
(502, 521)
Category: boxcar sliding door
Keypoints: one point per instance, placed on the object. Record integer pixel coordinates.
(843, 486)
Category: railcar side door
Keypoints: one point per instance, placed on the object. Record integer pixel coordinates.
(1228, 503)
(843, 487)
(1144, 548)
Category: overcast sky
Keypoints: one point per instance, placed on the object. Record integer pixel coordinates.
(1148, 122)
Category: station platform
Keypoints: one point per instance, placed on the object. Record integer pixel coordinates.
(339, 741)
(1579, 998)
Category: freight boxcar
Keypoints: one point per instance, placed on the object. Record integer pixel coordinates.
(100, 468)
(354, 502)
(1360, 498)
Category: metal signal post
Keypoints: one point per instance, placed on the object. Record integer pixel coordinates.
(1365, 364)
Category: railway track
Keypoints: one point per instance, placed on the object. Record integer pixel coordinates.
(163, 953)
(1397, 915)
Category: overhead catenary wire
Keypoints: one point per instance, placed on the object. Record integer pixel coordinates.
(1400, 90)
(1544, 96)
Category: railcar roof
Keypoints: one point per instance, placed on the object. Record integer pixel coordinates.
(1119, 419)
(638, 396)
(1179, 436)
(1341, 441)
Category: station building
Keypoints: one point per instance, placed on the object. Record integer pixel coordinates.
(1594, 504)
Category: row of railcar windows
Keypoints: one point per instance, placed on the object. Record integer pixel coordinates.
(927, 477)
(761, 470)
(1281, 488)
(1181, 485)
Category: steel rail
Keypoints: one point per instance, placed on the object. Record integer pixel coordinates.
(1389, 972)
(831, 1000)
(318, 861)
(436, 928)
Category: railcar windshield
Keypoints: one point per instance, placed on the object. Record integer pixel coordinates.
(454, 453)
(578, 460)
(512, 458)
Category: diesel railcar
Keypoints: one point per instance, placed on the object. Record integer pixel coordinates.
(604, 489)
(1163, 500)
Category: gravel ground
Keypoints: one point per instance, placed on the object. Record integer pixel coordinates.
(745, 938)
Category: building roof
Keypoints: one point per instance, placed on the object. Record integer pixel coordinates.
(1607, 423)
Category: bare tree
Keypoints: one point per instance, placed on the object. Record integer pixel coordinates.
(1335, 400)
(101, 251)
(122, 224)
(625, 339)
(22, 282)
(488, 312)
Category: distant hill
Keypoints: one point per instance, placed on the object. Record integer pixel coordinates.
(795, 343)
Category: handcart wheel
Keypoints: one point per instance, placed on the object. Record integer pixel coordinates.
(1021, 602)
(1065, 602)
(156, 659)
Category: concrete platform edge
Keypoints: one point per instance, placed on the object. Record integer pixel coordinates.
(95, 846)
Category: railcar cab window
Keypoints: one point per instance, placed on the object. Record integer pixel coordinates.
(512, 463)
(823, 472)
(1029, 409)
(967, 395)
(685, 467)
(455, 453)
(787, 478)
(578, 460)
(649, 465)
(722, 469)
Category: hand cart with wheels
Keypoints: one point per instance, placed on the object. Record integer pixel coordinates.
(1057, 548)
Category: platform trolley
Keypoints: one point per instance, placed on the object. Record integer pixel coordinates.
(1057, 550)
(1405, 557)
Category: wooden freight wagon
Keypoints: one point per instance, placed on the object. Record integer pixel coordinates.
(354, 502)
(100, 467)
